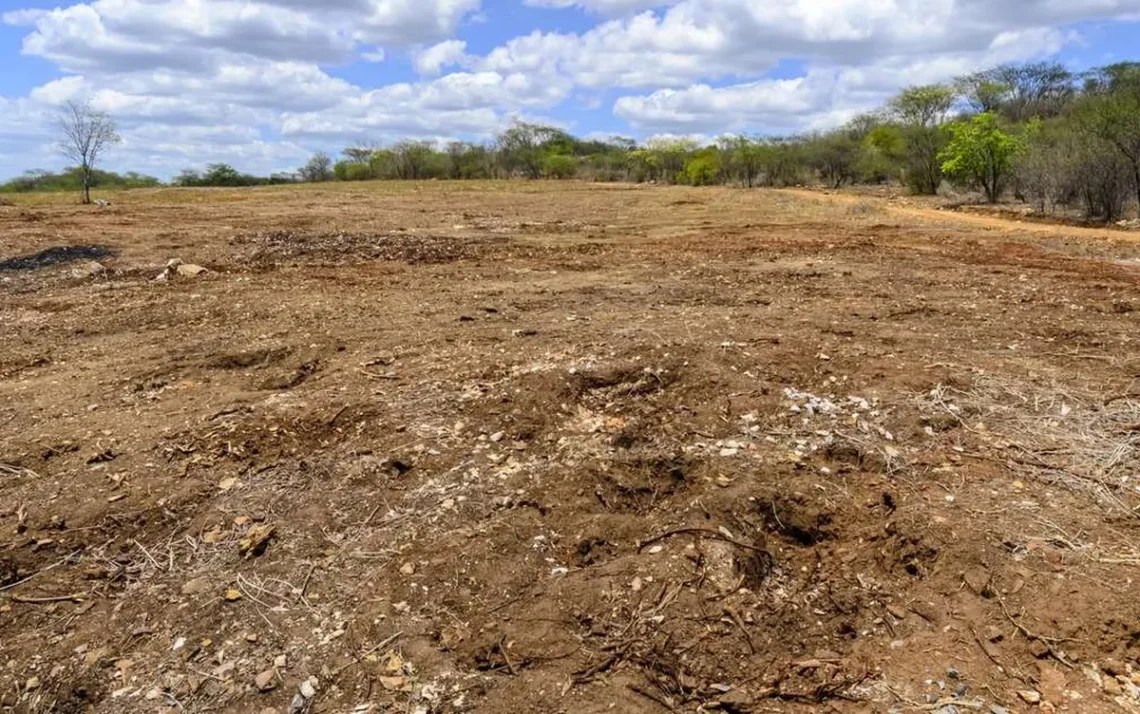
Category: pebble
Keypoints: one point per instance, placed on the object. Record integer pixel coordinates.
(32, 683)
(1029, 696)
(280, 661)
(266, 681)
(1112, 687)
(897, 611)
(309, 688)
(497, 437)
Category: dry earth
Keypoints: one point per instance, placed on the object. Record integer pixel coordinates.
(499, 448)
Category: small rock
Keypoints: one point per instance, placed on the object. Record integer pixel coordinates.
(188, 270)
(256, 540)
(266, 681)
(1112, 687)
(978, 580)
(279, 661)
(998, 709)
(497, 437)
(1113, 667)
(88, 270)
(1029, 696)
(32, 683)
(233, 595)
(195, 586)
(309, 688)
(408, 568)
(1039, 649)
(897, 611)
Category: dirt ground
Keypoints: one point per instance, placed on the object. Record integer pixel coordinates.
(513, 447)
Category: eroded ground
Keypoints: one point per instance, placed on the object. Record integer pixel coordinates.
(533, 448)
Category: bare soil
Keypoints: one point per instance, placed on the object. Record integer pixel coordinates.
(445, 448)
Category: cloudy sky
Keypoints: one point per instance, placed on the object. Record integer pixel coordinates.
(263, 83)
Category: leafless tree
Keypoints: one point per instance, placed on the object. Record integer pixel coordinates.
(86, 134)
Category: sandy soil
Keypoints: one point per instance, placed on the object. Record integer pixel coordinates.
(515, 447)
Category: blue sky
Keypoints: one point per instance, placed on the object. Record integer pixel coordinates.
(262, 84)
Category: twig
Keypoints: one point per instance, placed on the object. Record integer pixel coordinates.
(376, 375)
(506, 657)
(377, 648)
(642, 545)
(38, 573)
(149, 556)
(651, 696)
(74, 597)
(1047, 641)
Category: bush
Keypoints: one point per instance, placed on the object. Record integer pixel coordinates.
(559, 166)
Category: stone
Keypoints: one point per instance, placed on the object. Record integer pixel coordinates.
(280, 661)
(32, 683)
(1029, 696)
(309, 688)
(1112, 687)
(195, 586)
(88, 270)
(266, 681)
(897, 611)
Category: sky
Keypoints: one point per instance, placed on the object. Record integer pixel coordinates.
(262, 84)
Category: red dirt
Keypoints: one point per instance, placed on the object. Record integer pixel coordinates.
(576, 448)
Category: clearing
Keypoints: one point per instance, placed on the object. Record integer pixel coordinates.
(508, 447)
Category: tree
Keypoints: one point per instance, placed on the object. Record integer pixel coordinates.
(87, 133)
(1113, 115)
(1020, 92)
(920, 113)
(318, 168)
(521, 147)
(559, 166)
(981, 154)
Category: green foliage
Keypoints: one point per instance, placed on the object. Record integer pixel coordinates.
(981, 154)
(703, 168)
(559, 166)
(222, 174)
(72, 180)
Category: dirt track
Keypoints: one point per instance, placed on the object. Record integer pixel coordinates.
(534, 448)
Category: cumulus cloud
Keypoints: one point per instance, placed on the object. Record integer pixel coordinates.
(186, 77)
(431, 60)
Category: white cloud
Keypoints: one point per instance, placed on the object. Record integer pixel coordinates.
(197, 80)
(431, 60)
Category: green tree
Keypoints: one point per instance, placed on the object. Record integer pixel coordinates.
(1112, 113)
(559, 166)
(981, 153)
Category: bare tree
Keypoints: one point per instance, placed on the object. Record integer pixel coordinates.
(86, 134)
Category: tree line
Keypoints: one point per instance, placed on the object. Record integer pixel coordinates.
(1035, 132)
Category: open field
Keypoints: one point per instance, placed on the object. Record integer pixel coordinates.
(508, 448)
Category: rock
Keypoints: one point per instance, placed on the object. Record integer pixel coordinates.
(897, 611)
(233, 595)
(1113, 667)
(256, 540)
(187, 270)
(309, 688)
(1029, 696)
(280, 661)
(266, 681)
(978, 580)
(32, 683)
(735, 702)
(89, 269)
(195, 586)
(176, 267)
(998, 709)
(497, 437)
(1112, 687)
(1038, 649)
(408, 568)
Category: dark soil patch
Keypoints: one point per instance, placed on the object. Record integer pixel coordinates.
(56, 255)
